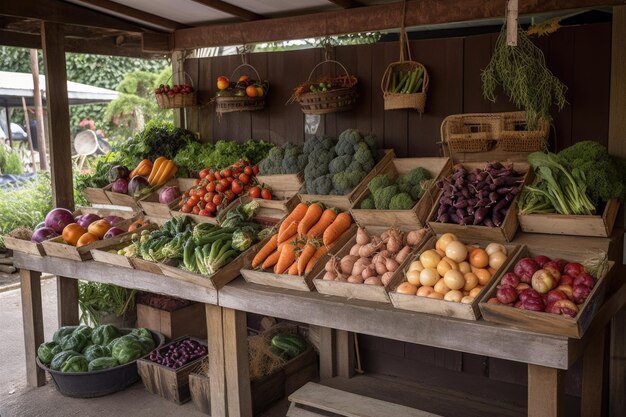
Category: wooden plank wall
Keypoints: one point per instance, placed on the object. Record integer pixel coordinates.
(579, 56)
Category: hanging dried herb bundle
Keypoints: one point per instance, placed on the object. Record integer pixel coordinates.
(522, 73)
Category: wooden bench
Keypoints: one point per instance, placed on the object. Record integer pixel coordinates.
(336, 402)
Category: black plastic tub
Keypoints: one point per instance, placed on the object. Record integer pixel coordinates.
(98, 383)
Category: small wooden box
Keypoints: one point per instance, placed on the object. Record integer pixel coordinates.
(150, 203)
(539, 321)
(345, 202)
(560, 224)
(503, 233)
(266, 390)
(26, 246)
(361, 291)
(189, 320)
(442, 307)
(146, 266)
(418, 215)
(171, 384)
(283, 186)
(108, 255)
(294, 282)
(96, 195)
(119, 199)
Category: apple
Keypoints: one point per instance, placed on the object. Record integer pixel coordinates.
(506, 294)
(533, 304)
(573, 269)
(584, 279)
(580, 293)
(567, 290)
(541, 260)
(564, 307)
(566, 280)
(510, 279)
(542, 281)
(521, 287)
(553, 268)
(525, 269)
(554, 295)
(222, 82)
(529, 293)
(518, 304)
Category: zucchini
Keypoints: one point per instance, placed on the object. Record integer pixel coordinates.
(292, 345)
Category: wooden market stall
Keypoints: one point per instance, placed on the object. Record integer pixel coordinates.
(590, 58)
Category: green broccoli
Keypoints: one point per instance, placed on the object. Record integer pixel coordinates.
(294, 160)
(379, 181)
(323, 185)
(272, 165)
(416, 176)
(383, 196)
(368, 204)
(339, 164)
(401, 201)
(363, 155)
(347, 141)
(344, 182)
(371, 141)
(318, 164)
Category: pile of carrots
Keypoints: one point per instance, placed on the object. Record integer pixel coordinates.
(303, 237)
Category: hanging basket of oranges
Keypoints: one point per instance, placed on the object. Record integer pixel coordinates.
(246, 94)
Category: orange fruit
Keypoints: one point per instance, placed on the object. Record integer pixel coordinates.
(243, 78)
(72, 233)
(99, 228)
(251, 91)
(85, 239)
(478, 258)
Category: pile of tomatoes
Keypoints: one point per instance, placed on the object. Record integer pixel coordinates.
(215, 189)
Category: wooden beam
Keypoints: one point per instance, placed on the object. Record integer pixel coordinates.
(546, 392)
(61, 12)
(347, 4)
(364, 19)
(145, 17)
(67, 301)
(593, 376)
(231, 9)
(32, 318)
(156, 43)
(238, 394)
(58, 114)
(617, 107)
(215, 337)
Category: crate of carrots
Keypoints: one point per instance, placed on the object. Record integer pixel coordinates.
(296, 253)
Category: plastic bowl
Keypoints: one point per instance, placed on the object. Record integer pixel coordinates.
(99, 383)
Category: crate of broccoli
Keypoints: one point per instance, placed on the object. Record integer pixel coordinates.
(403, 193)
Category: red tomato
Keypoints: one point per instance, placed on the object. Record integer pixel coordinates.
(255, 169)
(226, 172)
(230, 179)
(225, 182)
(208, 197)
(201, 192)
(210, 177)
(196, 181)
(185, 209)
(220, 188)
(204, 213)
(248, 170)
(210, 187)
(217, 175)
(244, 178)
(204, 182)
(195, 210)
(244, 162)
(204, 173)
(210, 207)
(229, 195)
(217, 199)
(193, 200)
(266, 194)
(237, 187)
(255, 192)
(192, 192)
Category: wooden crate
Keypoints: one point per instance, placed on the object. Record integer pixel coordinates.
(119, 199)
(560, 224)
(171, 384)
(265, 391)
(294, 282)
(150, 203)
(503, 233)
(443, 307)
(283, 186)
(175, 212)
(26, 246)
(541, 322)
(418, 215)
(109, 255)
(147, 266)
(361, 291)
(189, 320)
(270, 212)
(96, 195)
(345, 202)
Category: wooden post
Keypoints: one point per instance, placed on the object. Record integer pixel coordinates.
(546, 392)
(617, 365)
(9, 133)
(32, 317)
(593, 376)
(511, 23)
(53, 43)
(345, 353)
(327, 352)
(41, 127)
(236, 362)
(30, 136)
(177, 69)
(67, 300)
(215, 336)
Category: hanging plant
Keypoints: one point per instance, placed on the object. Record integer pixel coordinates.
(521, 71)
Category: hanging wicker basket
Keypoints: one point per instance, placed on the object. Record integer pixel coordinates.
(341, 97)
(476, 132)
(229, 104)
(405, 83)
(515, 138)
(177, 100)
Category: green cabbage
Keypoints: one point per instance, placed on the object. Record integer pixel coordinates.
(84, 330)
(59, 359)
(47, 351)
(61, 332)
(103, 363)
(141, 332)
(96, 351)
(103, 334)
(76, 363)
(147, 344)
(126, 350)
(74, 341)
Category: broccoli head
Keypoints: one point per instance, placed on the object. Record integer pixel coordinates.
(379, 181)
(294, 160)
(347, 141)
(371, 141)
(318, 164)
(416, 176)
(273, 163)
(363, 154)
(368, 204)
(344, 182)
(339, 164)
(322, 185)
(401, 201)
(383, 196)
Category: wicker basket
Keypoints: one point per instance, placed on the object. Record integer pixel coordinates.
(394, 101)
(229, 104)
(336, 100)
(471, 132)
(177, 101)
(515, 138)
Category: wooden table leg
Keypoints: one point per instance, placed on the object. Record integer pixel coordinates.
(215, 338)
(327, 352)
(546, 392)
(67, 301)
(236, 363)
(32, 317)
(345, 353)
(617, 365)
(593, 377)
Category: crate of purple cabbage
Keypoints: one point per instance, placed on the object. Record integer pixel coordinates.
(478, 200)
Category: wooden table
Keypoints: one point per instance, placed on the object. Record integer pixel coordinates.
(547, 356)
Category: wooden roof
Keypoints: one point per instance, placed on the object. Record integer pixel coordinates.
(148, 27)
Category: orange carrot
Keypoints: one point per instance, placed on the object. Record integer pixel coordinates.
(271, 260)
(305, 256)
(336, 229)
(265, 251)
(311, 217)
(289, 231)
(287, 257)
(318, 254)
(289, 239)
(295, 216)
(293, 269)
(327, 218)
